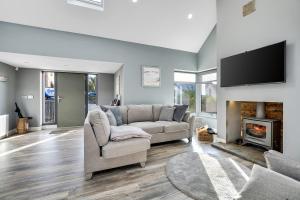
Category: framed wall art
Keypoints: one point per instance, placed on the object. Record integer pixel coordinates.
(150, 76)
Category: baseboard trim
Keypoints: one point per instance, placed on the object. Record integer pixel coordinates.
(218, 139)
(38, 128)
(47, 127)
(10, 132)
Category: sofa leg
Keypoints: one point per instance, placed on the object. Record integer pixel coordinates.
(88, 176)
(143, 164)
(190, 139)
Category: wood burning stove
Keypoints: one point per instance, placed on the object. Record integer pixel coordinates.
(262, 132)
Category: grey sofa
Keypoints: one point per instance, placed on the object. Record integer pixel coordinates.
(100, 155)
(279, 181)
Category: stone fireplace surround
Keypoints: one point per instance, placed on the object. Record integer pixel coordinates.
(237, 110)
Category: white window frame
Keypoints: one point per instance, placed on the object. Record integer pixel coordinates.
(199, 82)
(186, 82)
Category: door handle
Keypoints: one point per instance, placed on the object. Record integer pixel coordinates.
(59, 98)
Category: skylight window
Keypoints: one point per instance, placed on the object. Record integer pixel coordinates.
(92, 4)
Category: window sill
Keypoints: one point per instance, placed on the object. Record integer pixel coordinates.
(207, 115)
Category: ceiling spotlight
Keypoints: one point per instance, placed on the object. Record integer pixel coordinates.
(190, 16)
(134, 1)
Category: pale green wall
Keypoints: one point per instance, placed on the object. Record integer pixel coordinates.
(30, 40)
(28, 83)
(8, 94)
(105, 88)
(207, 55)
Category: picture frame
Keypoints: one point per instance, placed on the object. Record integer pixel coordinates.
(151, 76)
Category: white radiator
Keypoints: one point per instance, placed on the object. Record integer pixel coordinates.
(4, 125)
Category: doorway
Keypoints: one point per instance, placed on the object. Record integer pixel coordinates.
(92, 96)
(64, 99)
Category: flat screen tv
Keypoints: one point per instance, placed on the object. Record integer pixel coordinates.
(263, 65)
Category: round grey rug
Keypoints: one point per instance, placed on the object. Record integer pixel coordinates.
(204, 177)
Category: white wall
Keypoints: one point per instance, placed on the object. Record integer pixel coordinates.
(273, 21)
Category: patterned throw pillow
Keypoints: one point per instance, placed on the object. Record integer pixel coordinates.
(166, 113)
(111, 118)
(116, 111)
(179, 112)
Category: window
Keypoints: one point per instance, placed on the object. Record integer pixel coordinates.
(92, 91)
(208, 91)
(49, 100)
(185, 89)
(92, 4)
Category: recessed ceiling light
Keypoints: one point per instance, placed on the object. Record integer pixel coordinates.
(190, 16)
(134, 1)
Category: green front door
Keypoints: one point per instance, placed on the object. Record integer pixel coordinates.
(70, 99)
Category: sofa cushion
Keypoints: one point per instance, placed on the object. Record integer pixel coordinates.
(267, 184)
(116, 111)
(179, 112)
(100, 125)
(156, 111)
(278, 162)
(186, 116)
(171, 127)
(119, 133)
(149, 127)
(111, 118)
(123, 110)
(166, 113)
(139, 113)
(125, 147)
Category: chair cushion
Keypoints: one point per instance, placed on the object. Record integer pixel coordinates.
(179, 112)
(279, 163)
(149, 127)
(166, 113)
(125, 147)
(267, 184)
(139, 113)
(101, 127)
(171, 127)
(156, 111)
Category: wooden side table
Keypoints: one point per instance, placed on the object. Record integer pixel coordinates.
(22, 125)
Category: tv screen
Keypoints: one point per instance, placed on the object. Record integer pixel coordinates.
(264, 65)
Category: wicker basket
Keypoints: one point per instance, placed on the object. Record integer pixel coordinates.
(203, 135)
(22, 126)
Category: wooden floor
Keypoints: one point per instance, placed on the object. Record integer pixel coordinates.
(46, 166)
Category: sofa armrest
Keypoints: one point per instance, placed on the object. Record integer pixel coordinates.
(278, 162)
(191, 121)
(91, 148)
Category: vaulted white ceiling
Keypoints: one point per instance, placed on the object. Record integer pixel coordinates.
(58, 64)
(162, 23)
